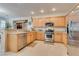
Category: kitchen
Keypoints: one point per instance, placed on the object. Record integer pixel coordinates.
(24, 30)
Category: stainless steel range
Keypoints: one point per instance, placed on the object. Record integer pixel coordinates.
(49, 32)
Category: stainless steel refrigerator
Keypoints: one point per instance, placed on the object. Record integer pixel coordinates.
(73, 38)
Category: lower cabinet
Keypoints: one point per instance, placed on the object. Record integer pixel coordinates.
(21, 40)
(65, 38)
(58, 37)
(40, 36)
(61, 37)
(16, 41)
(31, 36)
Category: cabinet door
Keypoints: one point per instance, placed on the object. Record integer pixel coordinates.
(65, 38)
(41, 22)
(31, 38)
(40, 36)
(28, 38)
(34, 35)
(35, 22)
(12, 42)
(58, 37)
(20, 41)
(60, 21)
(24, 40)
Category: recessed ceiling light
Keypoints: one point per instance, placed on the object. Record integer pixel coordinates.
(78, 6)
(32, 12)
(72, 12)
(42, 11)
(53, 9)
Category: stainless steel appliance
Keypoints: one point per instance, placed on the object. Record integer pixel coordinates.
(49, 32)
(73, 37)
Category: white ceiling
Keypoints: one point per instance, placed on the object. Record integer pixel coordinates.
(24, 9)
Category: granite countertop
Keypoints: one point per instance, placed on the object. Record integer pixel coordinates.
(36, 30)
(60, 29)
(16, 32)
(55, 29)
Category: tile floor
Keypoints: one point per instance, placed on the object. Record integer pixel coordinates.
(73, 50)
(40, 48)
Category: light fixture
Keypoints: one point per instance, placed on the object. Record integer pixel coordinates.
(78, 6)
(53, 9)
(32, 12)
(42, 11)
(2, 10)
(72, 12)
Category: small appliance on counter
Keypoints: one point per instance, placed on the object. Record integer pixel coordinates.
(49, 32)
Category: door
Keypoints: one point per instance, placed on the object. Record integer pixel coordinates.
(2, 43)
(2, 37)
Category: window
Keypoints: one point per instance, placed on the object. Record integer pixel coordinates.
(2, 24)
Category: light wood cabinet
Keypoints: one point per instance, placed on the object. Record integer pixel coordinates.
(61, 37)
(65, 38)
(58, 37)
(39, 22)
(28, 38)
(31, 36)
(35, 22)
(12, 42)
(58, 21)
(40, 36)
(21, 40)
(16, 41)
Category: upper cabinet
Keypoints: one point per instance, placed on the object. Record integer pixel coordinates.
(58, 21)
(35, 22)
(40, 22)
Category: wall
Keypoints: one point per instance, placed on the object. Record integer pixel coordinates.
(73, 16)
(2, 36)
